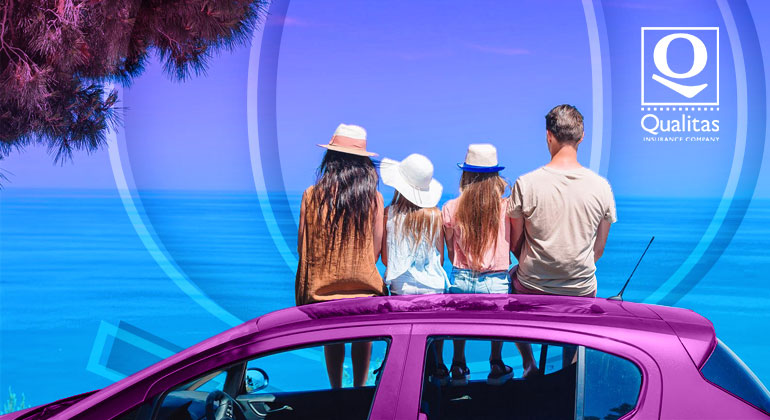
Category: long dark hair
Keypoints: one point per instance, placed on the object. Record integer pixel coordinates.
(345, 195)
(478, 212)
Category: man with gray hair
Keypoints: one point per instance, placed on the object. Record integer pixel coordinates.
(561, 215)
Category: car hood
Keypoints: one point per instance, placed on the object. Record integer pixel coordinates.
(46, 410)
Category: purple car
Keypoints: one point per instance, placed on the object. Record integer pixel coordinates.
(598, 359)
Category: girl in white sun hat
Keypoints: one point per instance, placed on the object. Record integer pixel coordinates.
(413, 242)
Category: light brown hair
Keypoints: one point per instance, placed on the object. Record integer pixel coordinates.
(478, 212)
(418, 223)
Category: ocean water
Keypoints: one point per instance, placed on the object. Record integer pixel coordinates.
(73, 271)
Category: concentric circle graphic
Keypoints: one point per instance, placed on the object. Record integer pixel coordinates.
(744, 171)
(263, 138)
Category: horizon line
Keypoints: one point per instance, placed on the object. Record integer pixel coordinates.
(14, 189)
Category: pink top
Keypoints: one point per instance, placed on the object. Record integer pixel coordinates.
(497, 257)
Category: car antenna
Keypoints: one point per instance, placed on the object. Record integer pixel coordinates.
(619, 296)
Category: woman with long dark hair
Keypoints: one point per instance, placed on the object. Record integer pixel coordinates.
(340, 238)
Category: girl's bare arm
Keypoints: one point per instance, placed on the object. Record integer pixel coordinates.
(517, 235)
(449, 240)
(385, 237)
(440, 245)
(301, 231)
(378, 218)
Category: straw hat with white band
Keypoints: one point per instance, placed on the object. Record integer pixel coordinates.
(349, 139)
(412, 178)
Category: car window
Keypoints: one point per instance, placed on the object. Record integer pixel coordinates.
(300, 382)
(305, 369)
(612, 386)
(188, 401)
(290, 384)
(570, 381)
(726, 370)
(208, 383)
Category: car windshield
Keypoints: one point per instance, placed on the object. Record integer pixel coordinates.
(726, 370)
(285, 384)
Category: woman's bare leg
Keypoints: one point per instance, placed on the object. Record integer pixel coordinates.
(458, 357)
(497, 350)
(528, 359)
(361, 353)
(439, 351)
(335, 357)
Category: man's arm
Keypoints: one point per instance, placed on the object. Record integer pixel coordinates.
(601, 238)
(517, 235)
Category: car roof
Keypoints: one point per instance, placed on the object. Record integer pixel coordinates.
(694, 331)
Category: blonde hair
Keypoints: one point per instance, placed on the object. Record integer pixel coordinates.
(418, 223)
(478, 212)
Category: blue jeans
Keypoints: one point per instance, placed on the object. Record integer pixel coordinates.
(468, 281)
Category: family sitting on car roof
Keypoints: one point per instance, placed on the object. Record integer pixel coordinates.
(555, 222)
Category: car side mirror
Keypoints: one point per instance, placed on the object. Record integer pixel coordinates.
(256, 380)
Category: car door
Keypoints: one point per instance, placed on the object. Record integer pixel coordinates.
(181, 390)
(585, 375)
(298, 387)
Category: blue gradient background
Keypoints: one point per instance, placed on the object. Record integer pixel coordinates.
(427, 77)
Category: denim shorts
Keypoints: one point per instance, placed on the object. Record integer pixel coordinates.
(468, 281)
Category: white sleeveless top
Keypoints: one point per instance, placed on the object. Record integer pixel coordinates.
(412, 270)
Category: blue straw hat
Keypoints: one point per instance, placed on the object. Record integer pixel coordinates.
(481, 158)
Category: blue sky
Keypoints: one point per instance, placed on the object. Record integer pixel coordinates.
(427, 77)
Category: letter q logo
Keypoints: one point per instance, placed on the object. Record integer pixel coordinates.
(684, 66)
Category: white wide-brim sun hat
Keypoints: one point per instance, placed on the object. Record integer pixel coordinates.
(412, 178)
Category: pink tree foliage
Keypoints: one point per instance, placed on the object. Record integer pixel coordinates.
(56, 55)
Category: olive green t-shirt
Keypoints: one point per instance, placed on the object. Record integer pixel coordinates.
(561, 211)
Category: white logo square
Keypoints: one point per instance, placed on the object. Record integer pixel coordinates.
(680, 66)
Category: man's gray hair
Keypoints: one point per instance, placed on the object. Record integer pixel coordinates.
(565, 122)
